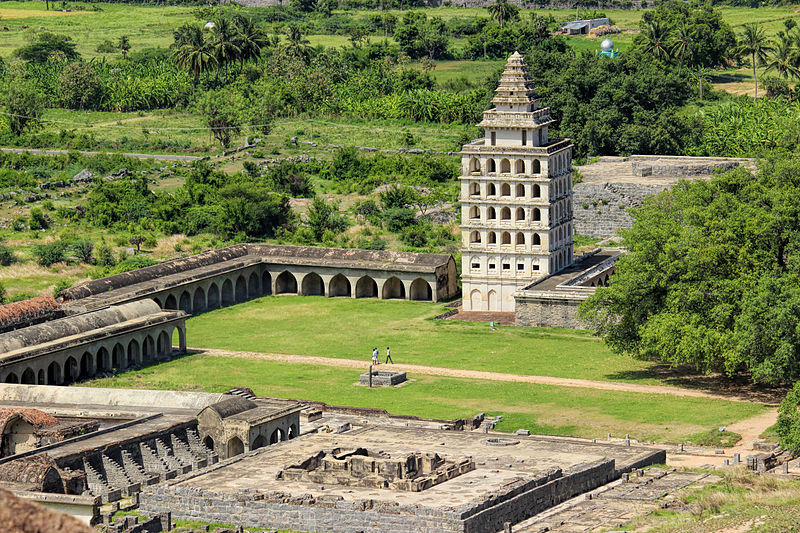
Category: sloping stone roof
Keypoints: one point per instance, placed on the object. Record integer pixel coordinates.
(35, 417)
(18, 314)
(232, 406)
(21, 516)
(351, 257)
(173, 266)
(72, 325)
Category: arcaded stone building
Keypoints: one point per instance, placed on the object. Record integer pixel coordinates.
(516, 197)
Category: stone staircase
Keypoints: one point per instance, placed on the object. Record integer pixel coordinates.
(167, 454)
(135, 470)
(242, 392)
(198, 448)
(154, 463)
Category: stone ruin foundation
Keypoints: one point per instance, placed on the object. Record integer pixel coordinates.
(382, 378)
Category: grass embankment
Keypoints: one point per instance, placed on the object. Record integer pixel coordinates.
(540, 408)
(742, 501)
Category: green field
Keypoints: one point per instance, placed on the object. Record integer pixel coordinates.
(349, 329)
(540, 408)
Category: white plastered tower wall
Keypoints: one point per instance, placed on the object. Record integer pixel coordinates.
(516, 197)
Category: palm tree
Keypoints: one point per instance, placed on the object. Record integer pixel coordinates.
(224, 43)
(700, 74)
(249, 38)
(754, 42)
(785, 58)
(295, 42)
(197, 58)
(656, 36)
(682, 45)
(502, 10)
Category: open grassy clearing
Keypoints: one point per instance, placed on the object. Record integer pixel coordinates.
(349, 329)
(540, 408)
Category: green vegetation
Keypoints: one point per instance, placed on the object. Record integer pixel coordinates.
(711, 277)
(715, 439)
(540, 408)
(349, 329)
(788, 426)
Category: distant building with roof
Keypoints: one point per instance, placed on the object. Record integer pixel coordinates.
(582, 27)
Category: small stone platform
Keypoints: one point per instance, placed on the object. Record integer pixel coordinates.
(382, 378)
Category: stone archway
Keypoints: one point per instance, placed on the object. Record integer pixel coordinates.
(86, 366)
(208, 442)
(28, 377)
(134, 354)
(421, 290)
(241, 289)
(199, 301)
(164, 344)
(286, 283)
(186, 302)
(148, 348)
(235, 446)
(252, 286)
(313, 285)
(475, 300)
(393, 289)
(494, 302)
(266, 283)
(54, 374)
(259, 442)
(339, 286)
(170, 302)
(42, 378)
(118, 358)
(70, 370)
(102, 360)
(276, 436)
(366, 288)
(292, 433)
(227, 293)
(12, 378)
(213, 297)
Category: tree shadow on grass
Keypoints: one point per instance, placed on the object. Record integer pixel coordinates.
(736, 387)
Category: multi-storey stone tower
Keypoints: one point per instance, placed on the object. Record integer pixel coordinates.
(516, 197)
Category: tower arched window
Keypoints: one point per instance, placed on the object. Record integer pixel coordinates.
(475, 236)
(537, 240)
(505, 214)
(520, 190)
(520, 238)
(506, 238)
(536, 215)
(536, 191)
(491, 214)
(520, 214)
(491, 190)
(505, 166)
(505, 190)
(474, 189)
(474, 212)
(474, 165)
(537, 167)
(519, 166)
(490, 166)
(491, 238)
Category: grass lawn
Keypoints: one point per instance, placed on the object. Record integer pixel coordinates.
(540, 408)
(349, 329)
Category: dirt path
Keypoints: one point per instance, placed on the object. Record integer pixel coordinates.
(478, 374)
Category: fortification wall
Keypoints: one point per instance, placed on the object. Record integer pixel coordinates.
(548, 312)
(601, 210)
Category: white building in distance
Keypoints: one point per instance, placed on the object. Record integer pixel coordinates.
(516, 197)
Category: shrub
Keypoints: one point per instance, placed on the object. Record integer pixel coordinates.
(51, 253)
(105, 258)
(398, 218)
(61, 285)
(38, 220)
(7, 256)
(80, 87)
(83, 249)
(788, 426)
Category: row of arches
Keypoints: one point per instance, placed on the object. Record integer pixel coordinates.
(505, 213)
(68, 367)
(505, 190)
(561, 259)
(235, 446)
(505, 238)
(505, 166)
(222, 293)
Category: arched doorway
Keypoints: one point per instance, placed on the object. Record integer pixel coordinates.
(134, 355)
(12, 378)
(164, 344)
(213, 297)
(421, 290)
(475, 300)
(366, 288)
(86, 366)
(227, 293)
(42, 377)
(208, 442)
(102, 360)
(292, 432)
(171, 302)
(241, 289)
(118, 357)
(266, 283)
(260, 442)
(199, 301)
(235, 446)
(286, 283)
(70, 371)
(252, 286)
(313, 285)
(149, 348)
(28, 377)
(339, 286)
(186, 302)
(494, 303)
(276, 436)
(54, 374)
(394, 289)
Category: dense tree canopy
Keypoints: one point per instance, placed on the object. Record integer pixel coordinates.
(712, 279)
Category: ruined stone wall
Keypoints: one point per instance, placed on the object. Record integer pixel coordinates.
(333, 514)
(550, 313)
(601, 210)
